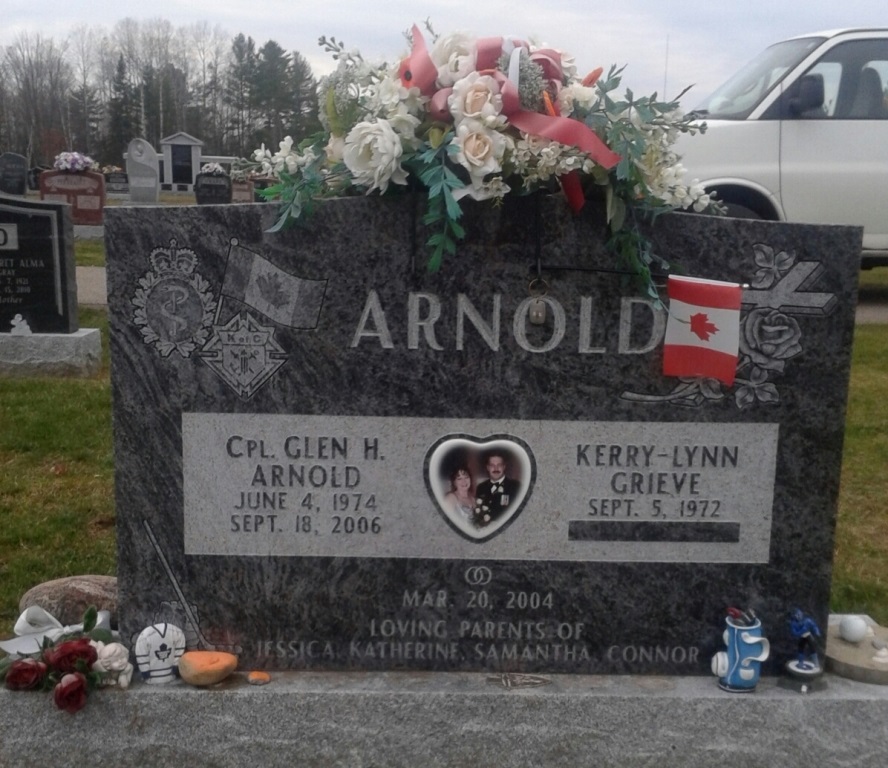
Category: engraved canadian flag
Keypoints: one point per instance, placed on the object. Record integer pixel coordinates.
(703, 329)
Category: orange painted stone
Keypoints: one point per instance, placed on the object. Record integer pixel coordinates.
(258, 677)
(206, 667)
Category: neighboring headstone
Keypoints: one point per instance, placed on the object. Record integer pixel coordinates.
(39, 332)
(242, 192)
(290, 409)
(84, 191)
(117, 182)
(37, 275)
(142, 172)
(13, 174)
(212, 189)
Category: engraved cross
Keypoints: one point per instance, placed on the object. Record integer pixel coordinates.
(788, 294)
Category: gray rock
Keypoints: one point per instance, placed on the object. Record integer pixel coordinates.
(69, 597)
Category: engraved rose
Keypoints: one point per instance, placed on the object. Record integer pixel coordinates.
(770, 337)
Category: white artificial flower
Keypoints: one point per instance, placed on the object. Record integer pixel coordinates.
(477, 97)
(454, 56)
(495, 188)
(480, 149)
(373, 155)
(405, 126)
(335, 149)
(576, 96)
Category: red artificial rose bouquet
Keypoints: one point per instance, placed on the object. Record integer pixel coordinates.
(71, 666)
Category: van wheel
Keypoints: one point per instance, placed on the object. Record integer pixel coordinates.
(737, 211)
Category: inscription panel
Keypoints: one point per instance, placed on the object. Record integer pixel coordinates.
(378, 487)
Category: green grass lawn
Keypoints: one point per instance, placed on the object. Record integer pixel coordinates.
(56, 481)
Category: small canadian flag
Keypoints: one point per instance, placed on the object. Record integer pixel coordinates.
(703, 330)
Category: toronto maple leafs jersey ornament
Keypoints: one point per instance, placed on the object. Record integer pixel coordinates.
(158, 650)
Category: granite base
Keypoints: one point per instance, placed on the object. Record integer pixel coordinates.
(451, 719)
(51, 354)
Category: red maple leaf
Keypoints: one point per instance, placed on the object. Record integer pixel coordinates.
(701, 326)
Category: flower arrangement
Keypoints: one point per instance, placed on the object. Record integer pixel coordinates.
(106, 169)
(76, 162)
(213, 169)
(71, 666)
(480, 119)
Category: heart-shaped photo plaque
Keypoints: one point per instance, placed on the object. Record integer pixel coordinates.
(480, 485)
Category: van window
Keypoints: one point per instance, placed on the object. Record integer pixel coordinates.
(855, 82)
(736, 99)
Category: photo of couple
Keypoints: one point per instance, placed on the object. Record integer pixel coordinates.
(481, 504)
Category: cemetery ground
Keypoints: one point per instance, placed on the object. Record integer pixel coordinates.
(57, 473)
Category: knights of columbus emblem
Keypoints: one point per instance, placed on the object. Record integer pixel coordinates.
(243, 354)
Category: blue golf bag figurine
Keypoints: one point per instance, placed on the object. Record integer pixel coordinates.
(738, 668)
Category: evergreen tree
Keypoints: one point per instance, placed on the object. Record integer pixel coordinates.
(85, 117)
(303, 99)
(273, 94)
(121, 115)
(239, 96)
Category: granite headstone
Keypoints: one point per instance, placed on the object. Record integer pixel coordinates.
(242, 192)
(117, 182)
(13, 174)
(38, 291)
(143, 173)
(84, 191)
(297, 412)
(212, 189)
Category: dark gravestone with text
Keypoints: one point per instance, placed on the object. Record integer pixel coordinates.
(13, 174)
(37, 282)
(329, 458)
(117, 182)
(212, 189)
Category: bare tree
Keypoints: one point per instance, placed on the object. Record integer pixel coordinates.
(40, 79)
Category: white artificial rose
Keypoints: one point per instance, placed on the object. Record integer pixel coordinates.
(478, 97)
(373, 155)
(576, 96)
(480, 150)
(454, 56)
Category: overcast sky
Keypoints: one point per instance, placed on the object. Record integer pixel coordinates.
(666, 44)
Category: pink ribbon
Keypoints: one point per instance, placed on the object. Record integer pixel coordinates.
(418, 71)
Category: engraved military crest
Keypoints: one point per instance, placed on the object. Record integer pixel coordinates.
(243, 353)
(174, 304)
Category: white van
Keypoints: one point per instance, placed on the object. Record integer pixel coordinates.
(801, 134)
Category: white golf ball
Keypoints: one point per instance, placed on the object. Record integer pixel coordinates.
(852, 628)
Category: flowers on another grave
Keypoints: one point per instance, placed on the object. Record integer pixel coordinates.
(213, 169)
(106, 169)
(75, 162)
(71, 666)
(461, 117)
